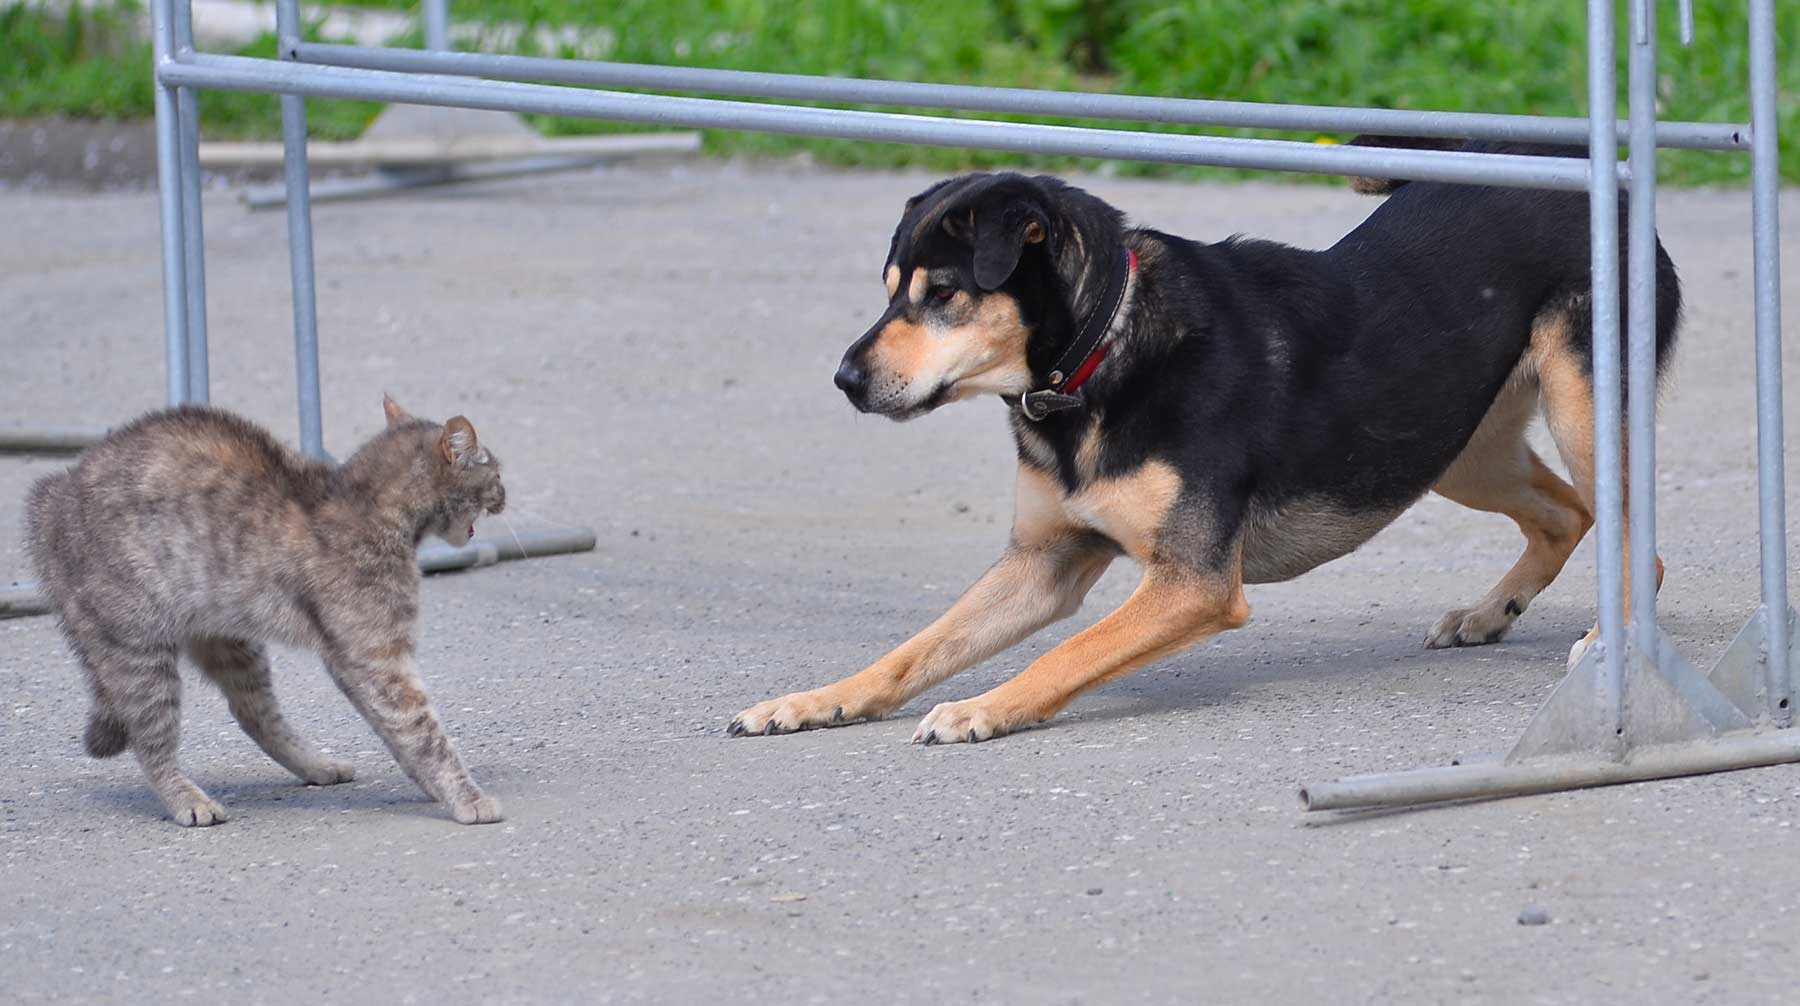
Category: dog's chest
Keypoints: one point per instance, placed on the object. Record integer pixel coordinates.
(1282, 542)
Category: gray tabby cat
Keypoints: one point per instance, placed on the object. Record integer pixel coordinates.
(193, 530)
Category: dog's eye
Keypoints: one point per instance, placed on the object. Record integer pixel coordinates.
(940, 294)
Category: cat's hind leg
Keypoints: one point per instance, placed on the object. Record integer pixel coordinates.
(241, 670)
(145, 694)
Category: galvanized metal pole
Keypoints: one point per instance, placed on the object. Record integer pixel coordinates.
(1603, 223)
(193, 230)
(1010, 100)
(437, 25)
(1640, 317)
(168, 179)
(1765, 189)
(300, 247)
(238, 73)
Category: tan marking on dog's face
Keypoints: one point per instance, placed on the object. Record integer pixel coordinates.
(947, 352)
(892, 279)
(1130, 509)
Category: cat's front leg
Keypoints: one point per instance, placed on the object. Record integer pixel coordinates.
(384, 686)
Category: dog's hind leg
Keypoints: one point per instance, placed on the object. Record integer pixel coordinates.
(1498, 472)
(1568, 396)
(1043, 576)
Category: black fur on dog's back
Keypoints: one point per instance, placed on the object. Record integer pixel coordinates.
(1564, 212)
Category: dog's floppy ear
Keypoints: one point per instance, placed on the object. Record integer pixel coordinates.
(1007, 218)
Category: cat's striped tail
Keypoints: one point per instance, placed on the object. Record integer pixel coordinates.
(106, 734)
(46, 511)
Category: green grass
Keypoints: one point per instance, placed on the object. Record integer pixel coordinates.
(1449, 54)
(90, 67)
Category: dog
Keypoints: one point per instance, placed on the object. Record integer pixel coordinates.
(1224, 414)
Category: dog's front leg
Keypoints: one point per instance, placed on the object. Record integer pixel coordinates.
(1171, 610)
(1035, 583)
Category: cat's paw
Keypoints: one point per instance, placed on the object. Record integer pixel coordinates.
(196, 810)
(329, 773)
(480, 810)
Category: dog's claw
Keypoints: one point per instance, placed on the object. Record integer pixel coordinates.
(769, 729)
(931, 738)
(838, 717)
(736, 729)
(972, 738)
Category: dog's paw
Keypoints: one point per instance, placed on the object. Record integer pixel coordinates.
(785, 715)
(1476, 626)
(1582, 646)
(967, 722)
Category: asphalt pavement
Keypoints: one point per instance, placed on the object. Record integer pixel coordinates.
(649, 349)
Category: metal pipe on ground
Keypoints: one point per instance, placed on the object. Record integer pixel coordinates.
(438, 557)
(237, 73)
(1546, 775)
(21, 599)
(47, 441)
(1009, 100)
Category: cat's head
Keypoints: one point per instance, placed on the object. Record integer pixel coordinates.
(465, 475)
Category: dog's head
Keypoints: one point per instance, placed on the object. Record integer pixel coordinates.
(984, 278)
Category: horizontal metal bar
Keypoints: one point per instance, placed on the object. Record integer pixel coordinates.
(438, 557)
(21, 599)
(1011, 100)
(1548, 775)
(236, 73)
(389, 180)
(47, 441)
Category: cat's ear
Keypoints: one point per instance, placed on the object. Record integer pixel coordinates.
(396, 415)
(457, 444)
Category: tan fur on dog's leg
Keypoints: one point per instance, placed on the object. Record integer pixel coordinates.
(1171, 610)
(1498, 472)
(1569, 407)
(1043, 576)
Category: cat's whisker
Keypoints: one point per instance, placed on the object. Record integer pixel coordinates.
(514, 508)
(515, 534)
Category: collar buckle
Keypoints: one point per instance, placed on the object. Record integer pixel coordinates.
(1035, 405)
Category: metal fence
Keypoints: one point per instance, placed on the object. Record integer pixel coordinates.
(1632, 709)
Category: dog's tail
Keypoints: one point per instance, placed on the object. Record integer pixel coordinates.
(1374, 186)
(1369, 185)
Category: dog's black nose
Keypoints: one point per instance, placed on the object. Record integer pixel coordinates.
(851, 378)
